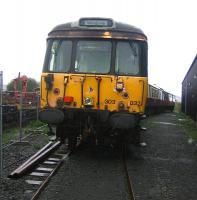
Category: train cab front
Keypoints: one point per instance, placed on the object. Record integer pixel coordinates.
(94, 80)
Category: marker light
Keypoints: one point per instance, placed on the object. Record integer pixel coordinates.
(88, 101)
(121, 106)
(68, 99)
(119, 86)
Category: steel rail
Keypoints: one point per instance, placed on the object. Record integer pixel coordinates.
(128, 179)
(35, 159)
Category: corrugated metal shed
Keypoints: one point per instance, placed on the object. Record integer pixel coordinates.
(189, 91)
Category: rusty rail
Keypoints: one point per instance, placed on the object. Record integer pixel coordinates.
(35, 159)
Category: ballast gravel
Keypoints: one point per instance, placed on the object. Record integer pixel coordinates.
(13, 156)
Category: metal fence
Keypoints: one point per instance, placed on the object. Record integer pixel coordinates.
(189, 91)
(17, 110)
(1, 133)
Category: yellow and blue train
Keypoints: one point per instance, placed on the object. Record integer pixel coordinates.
(94, 80)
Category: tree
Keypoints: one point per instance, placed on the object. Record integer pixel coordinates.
(31, 85)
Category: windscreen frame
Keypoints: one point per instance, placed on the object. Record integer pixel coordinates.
(143, 71)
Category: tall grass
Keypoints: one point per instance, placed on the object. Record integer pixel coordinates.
(189, 124)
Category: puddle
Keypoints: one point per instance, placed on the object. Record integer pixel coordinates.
(179, 160)
(165, 123)
(190, 141)
(182, 120)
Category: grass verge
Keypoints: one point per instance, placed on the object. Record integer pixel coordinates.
(189, 125)
(14, 133)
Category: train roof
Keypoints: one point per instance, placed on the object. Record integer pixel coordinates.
(96, 25)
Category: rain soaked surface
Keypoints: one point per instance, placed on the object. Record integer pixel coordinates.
(168, 168)
(165, 123)
(164, 168)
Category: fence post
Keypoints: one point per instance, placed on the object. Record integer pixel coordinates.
(21, 113)
(1, 132)
(38, 103)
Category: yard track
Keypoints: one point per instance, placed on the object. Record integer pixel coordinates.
(126, 173)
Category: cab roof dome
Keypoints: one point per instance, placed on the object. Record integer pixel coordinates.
(116, 27)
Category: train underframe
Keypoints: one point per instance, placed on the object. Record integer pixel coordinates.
(98, 127)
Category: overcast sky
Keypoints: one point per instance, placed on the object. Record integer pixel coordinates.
(169, 24)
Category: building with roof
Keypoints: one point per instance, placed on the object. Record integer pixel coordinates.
(189, 91)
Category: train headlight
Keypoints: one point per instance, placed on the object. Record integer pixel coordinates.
(119, 86)
(88, 101)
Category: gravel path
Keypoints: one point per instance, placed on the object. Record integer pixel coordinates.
(169, 168)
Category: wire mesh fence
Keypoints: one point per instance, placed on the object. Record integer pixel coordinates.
(18, 109)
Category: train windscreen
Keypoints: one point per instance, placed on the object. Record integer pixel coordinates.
(94, 56)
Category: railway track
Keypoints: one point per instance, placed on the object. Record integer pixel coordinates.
(39, 168)
(126, 173)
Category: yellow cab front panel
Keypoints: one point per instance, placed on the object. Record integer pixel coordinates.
(88, 91)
